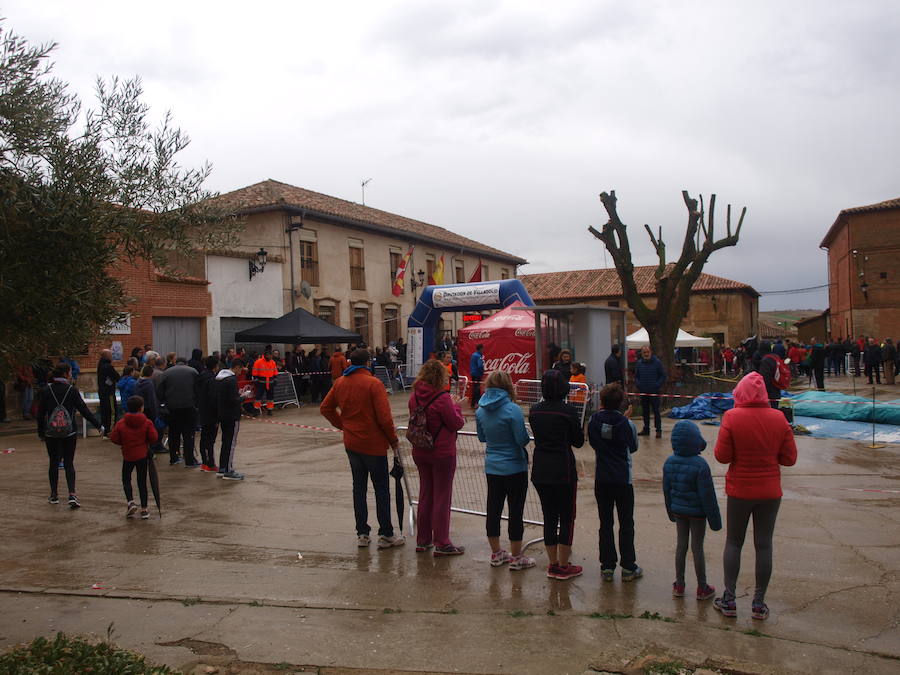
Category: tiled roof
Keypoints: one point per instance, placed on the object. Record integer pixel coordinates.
(273, 194)
(886, 205)
(604, 283)
(767, 329)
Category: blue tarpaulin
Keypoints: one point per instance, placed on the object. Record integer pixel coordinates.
(710, 404)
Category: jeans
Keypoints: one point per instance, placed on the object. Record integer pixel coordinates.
(182, 424)
(648, 402)
(127, 468)
(620, 497)
(362, 467)
(764, 512)
(690, 531)
(512, 490)
(61, 449)
(435, 495)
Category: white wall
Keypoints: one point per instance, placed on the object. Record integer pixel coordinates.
(234, 294)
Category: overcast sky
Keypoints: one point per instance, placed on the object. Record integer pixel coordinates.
(503, 121)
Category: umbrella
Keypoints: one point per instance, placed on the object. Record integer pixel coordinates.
(397, 473)
(154, 481)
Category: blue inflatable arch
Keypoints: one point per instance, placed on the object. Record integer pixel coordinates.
(436, 300)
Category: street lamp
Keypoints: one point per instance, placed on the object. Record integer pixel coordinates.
(417, 281)
(259, 264)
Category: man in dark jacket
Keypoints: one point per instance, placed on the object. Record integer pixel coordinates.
(178, 391)
(872, 361)
(207, 407)
(649, 377)
(106, 388)
(228, 411)
(613, 366)
(768, 368)
(888, 357)
(196, 360)
(817, 363)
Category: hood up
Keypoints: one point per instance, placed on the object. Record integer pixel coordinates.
(751, 390)
(225, 372)
(687, 440)
(554, 386)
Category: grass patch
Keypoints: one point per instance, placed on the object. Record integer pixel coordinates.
(283, 666)
(754, 633)
(519, 613)
(187, 602)
(608, 615)
(550, 612)
(656, 616)
(64, 654)
(255, 603)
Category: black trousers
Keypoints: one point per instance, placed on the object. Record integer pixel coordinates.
(872, 368)
(476, 393)
(127, 468)
(230, 430)
(61, 450)
(819, 373)
(511, 490)
(182, 425)
(648, 403)
(558, 505)
(108, 408)
(612, 496)
(208, 433)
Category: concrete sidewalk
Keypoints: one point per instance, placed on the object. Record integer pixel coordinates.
(219, 579)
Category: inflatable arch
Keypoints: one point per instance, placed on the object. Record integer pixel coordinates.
(450, 298)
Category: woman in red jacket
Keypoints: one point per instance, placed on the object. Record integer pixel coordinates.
(436, 465)
(754, 440)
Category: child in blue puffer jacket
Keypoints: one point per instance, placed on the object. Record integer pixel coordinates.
(690, 501)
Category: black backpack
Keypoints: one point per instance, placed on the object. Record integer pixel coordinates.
(59, 420)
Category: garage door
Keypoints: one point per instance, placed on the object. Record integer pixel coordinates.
(232, 325)
(176, 334)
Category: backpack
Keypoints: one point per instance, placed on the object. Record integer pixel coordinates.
(782, 371)
(59, 421)
(417, 432)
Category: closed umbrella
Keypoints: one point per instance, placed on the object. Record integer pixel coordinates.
(399, 501)
(154, 481)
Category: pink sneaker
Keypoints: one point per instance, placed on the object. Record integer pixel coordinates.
(499, 558)
(678, 590)
(705, 592)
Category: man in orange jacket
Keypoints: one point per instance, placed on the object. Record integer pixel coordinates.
(264, 372)
(358, 405)
(338, 363)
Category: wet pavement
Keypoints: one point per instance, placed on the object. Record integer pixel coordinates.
(223, 567)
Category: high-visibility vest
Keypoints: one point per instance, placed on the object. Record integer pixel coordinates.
(265, 370)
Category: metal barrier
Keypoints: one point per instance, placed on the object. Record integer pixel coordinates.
(382, 374)
(469, 483)
(460, 387)
(528, 392)
(285, 393)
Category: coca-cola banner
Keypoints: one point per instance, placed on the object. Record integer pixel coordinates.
(466, 296)
(508, 339)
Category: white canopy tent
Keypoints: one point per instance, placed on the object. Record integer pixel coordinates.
(640, 339)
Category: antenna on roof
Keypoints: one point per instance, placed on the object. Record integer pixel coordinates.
(363, 185)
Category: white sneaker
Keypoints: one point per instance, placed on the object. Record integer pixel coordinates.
(363, 540)
(388, 542)
(520, 562)
(501, 557)
(132, 509)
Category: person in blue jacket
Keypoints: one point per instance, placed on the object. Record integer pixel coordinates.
(476, 372)
(650, 376)
(501, 426)
(690, 502)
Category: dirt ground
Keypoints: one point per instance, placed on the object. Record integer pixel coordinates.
(265, 575)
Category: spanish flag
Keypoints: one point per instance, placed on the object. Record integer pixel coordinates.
(400, 275)
(438, 275)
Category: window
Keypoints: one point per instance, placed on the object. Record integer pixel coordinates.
(391, 324)
(309, 262)
(429, 268)
(327, 312)
(460, 273)
(484, 273)
(361, 322)
(504, 273)
(357, 267)
(396, 257)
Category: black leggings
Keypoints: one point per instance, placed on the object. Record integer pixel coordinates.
(693, 531)
(61, 450)
(558, 505)
(512, 490)
(764, 512)
(127, 468)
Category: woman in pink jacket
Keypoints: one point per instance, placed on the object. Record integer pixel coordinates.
(436, 465)
(755, 440)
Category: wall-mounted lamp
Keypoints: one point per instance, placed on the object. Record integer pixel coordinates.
(259, 264)
(417, 280)
(864, 287)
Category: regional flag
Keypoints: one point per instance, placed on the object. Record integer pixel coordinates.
(400, 276)
(476, 275)
(438, 274)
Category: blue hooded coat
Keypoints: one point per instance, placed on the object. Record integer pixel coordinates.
(501, 425)
(687, 482)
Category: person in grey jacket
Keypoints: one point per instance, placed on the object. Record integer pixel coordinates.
(650, 376)
(178, 392)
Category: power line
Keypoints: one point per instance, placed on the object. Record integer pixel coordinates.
(795, 290)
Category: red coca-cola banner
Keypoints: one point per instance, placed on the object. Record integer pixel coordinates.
(508, 339)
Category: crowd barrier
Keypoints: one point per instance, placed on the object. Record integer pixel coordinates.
(285, 393)
(528, 392)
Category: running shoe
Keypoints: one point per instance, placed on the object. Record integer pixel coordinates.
(392, 541)
(145, 514)
(209, 469)
(53, 499)
(678, 590)
(233, 475)
(73, 502)
(445, 551)
(177, 460)
(631, 575)
(363, 540)
(607, 574)
(552, 570)
(499, 558)
(759, 611)
(192, 465)
(132, 509)
(520, 562)
(727, 606)
(705, 592)
(424, 548)
(570, 571)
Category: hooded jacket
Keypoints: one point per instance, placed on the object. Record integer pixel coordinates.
(501, 425)
(649, 375)
(227, 395)
(754, 440)
(206, 398)
(71, 402)
(443, 419)
(135, 433)
(196, 360)
(147, 391)
(614, 439)
(358, 405)
(687, 481)
(336, 364)
(556, 429)
(126, 386)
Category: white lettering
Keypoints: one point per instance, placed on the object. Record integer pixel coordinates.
(517, 363)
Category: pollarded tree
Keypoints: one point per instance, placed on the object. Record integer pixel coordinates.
(674, 281)
(83, 193)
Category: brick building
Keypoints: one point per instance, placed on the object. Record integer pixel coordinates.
(725, 310)
(863, 247)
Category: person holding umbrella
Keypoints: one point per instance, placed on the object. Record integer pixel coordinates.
(135, 433)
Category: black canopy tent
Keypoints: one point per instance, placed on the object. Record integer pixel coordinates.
(297, 328)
